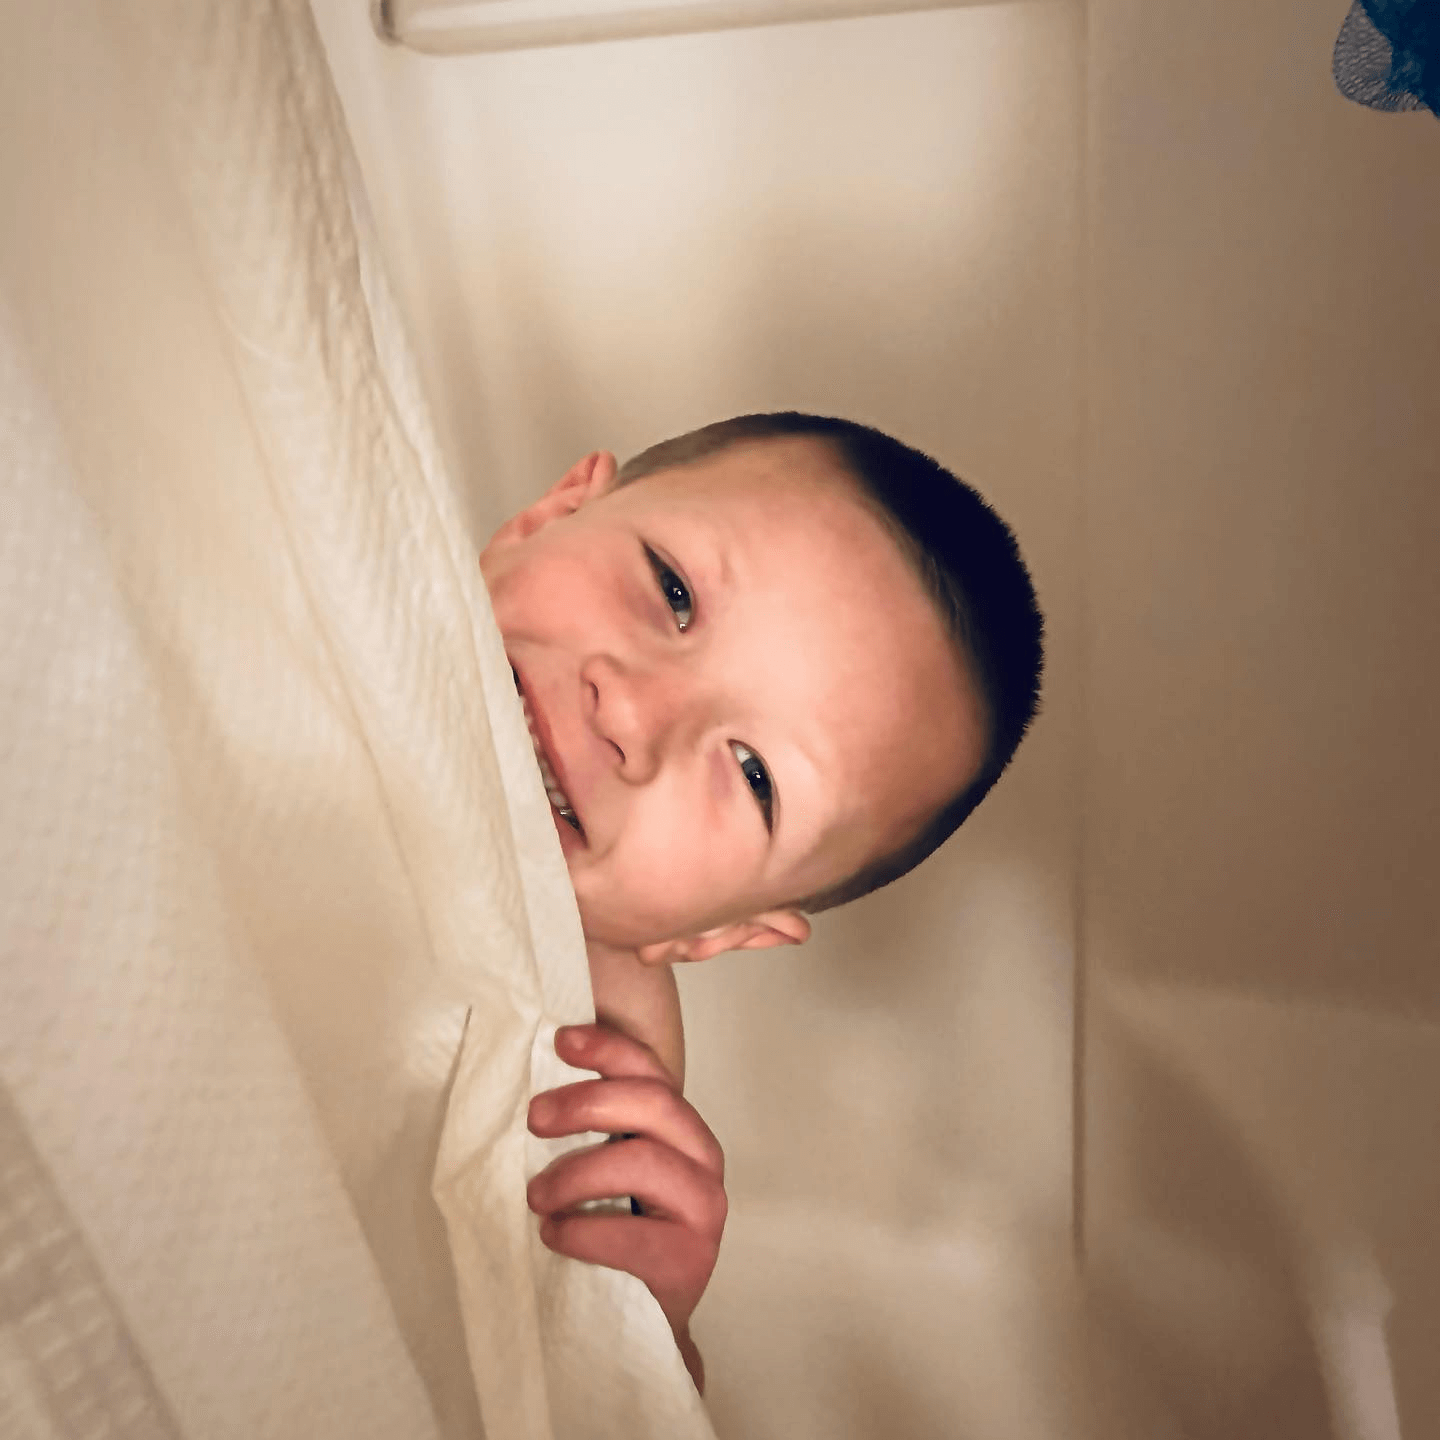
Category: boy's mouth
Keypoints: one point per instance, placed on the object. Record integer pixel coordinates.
(558, 799)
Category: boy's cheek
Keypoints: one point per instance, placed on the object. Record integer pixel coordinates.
(681, 864)
(616, 910)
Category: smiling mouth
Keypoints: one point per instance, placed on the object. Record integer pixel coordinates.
(558, 799)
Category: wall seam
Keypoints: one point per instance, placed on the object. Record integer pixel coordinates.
(1084, 347)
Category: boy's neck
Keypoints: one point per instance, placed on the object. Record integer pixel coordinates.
(642, 1001)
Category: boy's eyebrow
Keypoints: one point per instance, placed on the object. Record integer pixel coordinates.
(816, 778)
(719, 536)
(727, 569)
(722, 568)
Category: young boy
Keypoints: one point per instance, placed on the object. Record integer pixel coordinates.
(768, 667)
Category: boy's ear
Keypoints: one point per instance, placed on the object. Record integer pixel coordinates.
(760, 932)
(583, 481)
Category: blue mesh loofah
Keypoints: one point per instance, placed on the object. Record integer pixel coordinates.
(1387, 55)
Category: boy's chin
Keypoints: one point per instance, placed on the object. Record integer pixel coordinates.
(607, 919)
(607, 931)
(609, 937)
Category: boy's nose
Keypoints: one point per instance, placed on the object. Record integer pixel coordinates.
(630, 708)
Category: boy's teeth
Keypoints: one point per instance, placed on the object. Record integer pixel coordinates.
(557, 796)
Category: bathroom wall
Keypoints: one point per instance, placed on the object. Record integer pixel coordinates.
(603, 246)
(1261, 784)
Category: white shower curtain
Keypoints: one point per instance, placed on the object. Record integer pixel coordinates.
(285, 926)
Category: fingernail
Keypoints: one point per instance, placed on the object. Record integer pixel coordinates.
(571, 1036)
(542, 1109)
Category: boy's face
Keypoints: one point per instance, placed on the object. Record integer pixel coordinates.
(739, 685)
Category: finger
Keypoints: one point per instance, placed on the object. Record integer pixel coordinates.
(672, 1263)
(668, 1184)
(615, 1056)
(632, 1107)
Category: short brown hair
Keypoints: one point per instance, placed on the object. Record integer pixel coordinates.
(971, 567)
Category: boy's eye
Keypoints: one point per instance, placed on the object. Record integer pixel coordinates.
(757, 777)
(674, 589)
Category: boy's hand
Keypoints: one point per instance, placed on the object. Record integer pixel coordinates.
(669, 1161)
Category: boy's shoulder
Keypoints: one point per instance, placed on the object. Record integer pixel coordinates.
(641, 1001)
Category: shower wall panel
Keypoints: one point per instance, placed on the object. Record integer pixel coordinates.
(1262, 828)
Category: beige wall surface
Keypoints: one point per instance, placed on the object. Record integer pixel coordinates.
(1261, 782)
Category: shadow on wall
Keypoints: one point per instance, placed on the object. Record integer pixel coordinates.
(794, 238)
(1206, 1279)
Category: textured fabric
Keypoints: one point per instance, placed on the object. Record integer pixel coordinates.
(1387, 55)
(67, 1367)
(286, 926)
